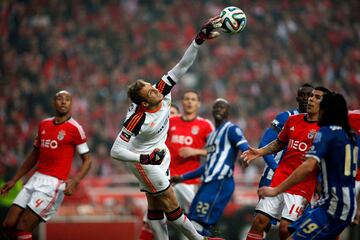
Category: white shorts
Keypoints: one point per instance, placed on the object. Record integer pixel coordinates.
(43, 194)
(152, 178)
(185, 193)
(285, 205)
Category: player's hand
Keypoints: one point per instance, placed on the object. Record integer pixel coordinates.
(206, 31)
(70, 187)
(267, 192)
(7, 187)
(186, 152)
(176, 179)
(154, 158)
(250, 154)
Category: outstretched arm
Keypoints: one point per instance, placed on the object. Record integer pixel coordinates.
(190, 54)
(254, 153)
(269, 135)
(28, 164)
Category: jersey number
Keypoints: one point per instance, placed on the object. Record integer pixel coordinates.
(347, 169)
(202, 208)
(308, 227)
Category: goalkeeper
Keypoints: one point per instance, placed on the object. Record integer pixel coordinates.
(141, 141)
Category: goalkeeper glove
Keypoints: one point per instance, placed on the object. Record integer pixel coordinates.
(206, 31)
(154, 158)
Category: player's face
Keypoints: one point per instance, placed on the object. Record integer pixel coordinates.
(303, 95)
(220, 110)
(151, 94)
(190, 103)
(173, 111)
(62, 103)
(314, 101)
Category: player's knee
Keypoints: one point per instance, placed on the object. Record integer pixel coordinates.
(284, 231)
(260, 223)
(8, 224)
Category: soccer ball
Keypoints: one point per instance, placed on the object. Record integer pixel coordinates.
(233, 19)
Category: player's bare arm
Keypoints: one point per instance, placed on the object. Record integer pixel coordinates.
(28, 164)
(71, 184)
(186, 152)
(300, 173)
(254, 153)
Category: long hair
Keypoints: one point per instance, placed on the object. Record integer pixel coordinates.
(334, 111)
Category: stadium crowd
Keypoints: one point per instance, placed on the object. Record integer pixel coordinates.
(94, 49)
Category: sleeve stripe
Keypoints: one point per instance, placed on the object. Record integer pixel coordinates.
(161, 85)
(79, 128)
(137, 117)
(241, 142)
(172, 82)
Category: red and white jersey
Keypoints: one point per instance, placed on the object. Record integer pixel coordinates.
(299, 134)
(57, 144)
(354, 120)
(184, 133)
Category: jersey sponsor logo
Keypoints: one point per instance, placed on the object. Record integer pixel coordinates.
(195, 130)
(301, 146)
(125, 136)
(181, 139)
(61, 135)
(48, 143)
(311, 134)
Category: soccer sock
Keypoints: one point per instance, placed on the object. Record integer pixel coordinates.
(157, 223)
(24, 235)
(254, 236)
(182, 223)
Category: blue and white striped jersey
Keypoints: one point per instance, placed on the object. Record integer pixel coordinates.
(271, 133)
(337, 157)
(223, 145)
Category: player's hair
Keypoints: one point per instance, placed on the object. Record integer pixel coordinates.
(176, 107)
(133, 92)
(323, 89)
(191, 91)
(334, 111)
(307, 85)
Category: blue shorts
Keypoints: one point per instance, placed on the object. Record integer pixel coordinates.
(210, 201)
(317, 224)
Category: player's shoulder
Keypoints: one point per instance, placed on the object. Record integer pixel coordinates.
(76, 126)
(204, 121)
(47, 120)
(297, 117)
(283, 116)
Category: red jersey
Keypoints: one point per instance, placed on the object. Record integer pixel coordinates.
(354, 120)
(299, 134)
(183, 133)
(57, 144)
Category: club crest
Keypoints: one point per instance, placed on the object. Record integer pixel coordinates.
(195, 130)
(311, 134)
(61, 135)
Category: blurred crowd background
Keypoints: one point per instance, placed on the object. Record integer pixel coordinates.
(95, 48)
